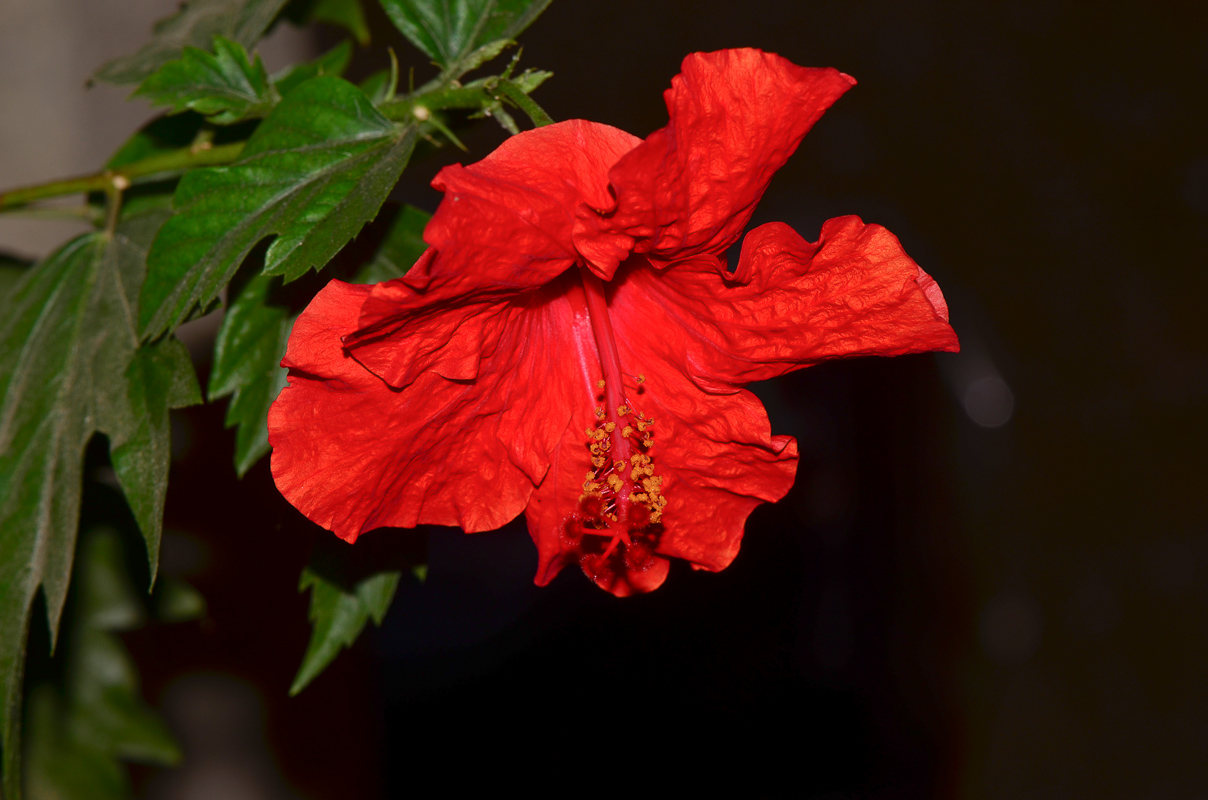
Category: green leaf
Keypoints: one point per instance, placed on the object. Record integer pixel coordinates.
(224, 87)
(349, 586)
(12, 269)
(346, 14)
(195, 25)
(90, 713)
(176, 601)
(339, 614)
(247, 365)
(333, 62)
(459, 35)
(70, 366)
(314, 172)
(403, 245)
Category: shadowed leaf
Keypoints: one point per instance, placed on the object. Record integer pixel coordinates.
(346, 14)
(88, 712)
(195, 25)
(70, 366)
(247, 366)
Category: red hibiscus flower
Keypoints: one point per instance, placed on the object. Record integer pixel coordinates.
(572, 344)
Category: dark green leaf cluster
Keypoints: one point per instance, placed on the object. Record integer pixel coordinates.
(71, 365)
(85, 710)
(252, 181)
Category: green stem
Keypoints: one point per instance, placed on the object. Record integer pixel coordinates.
(163, 165)
(411, 108)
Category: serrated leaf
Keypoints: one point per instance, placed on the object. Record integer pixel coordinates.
(68, 342)
(346, 14)
(247, 365)
(402, 246)
(91, 713)
(528, 81)
(195, 25)
(349, 586)
(333, 62)
(461, 34)
(339, 613)
(314, 172)
(225, 87)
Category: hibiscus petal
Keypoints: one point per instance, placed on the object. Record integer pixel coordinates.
(691, 187)
(354, 454)
(790, 303)
(716, 453)
(508, 219)
(503, 227)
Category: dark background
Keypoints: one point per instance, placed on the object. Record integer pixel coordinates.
(988, 581)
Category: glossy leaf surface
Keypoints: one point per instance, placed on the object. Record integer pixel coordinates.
(225, 86)
(451, 32)
(315, 171)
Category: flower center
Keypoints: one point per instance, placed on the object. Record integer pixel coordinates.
(619, 518)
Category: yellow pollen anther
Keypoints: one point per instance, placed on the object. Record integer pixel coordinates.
(589, 432)
(600, 434)
(618, 465)
(598, 461)
(600, 384)
(623, 410)
(589, 476)
(641, 425)
(599, 413)
(641, 379)
(635, 473)
(636, 458)
(610, 426)
(627, 431)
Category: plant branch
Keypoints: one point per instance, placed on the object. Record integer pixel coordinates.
(157, 167)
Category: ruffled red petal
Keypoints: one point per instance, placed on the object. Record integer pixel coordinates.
(691, 187)
(716, 452)
(789, 304)
(508, 220)
(354, 454)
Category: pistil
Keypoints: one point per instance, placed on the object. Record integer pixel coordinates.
(610, 359)
(619, 519)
